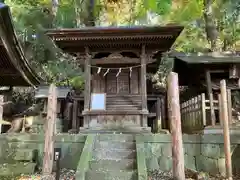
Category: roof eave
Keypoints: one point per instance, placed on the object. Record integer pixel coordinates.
(15, 53)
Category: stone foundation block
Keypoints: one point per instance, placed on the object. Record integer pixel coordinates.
(190, 162)
(221, 166)
(24, 155)
(153, 149)
(152, 163)
(17, 169)
(167, 150)
(165, 163)
(192, 149)
(207, 164)
(211, 150)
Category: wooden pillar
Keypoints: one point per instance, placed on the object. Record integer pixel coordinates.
(1, 111)
(158, 115)
(210, 96)
(203, 106)
(50, 131)
(175, 125)
(75, 114)
(164, 111)
(144, 85)
(87, 88)
(227, 145)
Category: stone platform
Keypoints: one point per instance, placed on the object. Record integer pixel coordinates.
(122, 130)
(233, 129)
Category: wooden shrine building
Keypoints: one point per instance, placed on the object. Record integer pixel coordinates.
(199, 67)
(202, 73)
(116, 61)
(14, 68)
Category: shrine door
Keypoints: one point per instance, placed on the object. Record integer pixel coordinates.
(118, 84)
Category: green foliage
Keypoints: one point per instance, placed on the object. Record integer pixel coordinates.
(77, 82)
(160, 77)
(31, 18)
(160, 7)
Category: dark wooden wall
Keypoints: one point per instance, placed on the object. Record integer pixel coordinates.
(122, 84)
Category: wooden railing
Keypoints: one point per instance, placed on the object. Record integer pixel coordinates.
(195, 113)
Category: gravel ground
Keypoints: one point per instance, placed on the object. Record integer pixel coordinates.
(66, 174)
(190, 175)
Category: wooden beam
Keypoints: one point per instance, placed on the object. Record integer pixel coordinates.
(210, 96)
(50, 131)
(175, 124)
(227, 144)
(218, 71)
(123, 60)
(144, 84)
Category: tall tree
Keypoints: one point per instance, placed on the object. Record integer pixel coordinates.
(210, 26)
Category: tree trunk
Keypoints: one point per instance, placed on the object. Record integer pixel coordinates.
(90, 20)
(210, 26)
(55, 4)
(84, 10)
(78, 12)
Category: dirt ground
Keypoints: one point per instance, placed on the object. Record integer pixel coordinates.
(190, 175)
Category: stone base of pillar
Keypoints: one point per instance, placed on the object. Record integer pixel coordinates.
(144, 122)
(86, 121)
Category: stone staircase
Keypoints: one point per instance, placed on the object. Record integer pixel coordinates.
(114, 158)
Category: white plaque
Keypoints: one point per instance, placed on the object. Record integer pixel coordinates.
(98, 101)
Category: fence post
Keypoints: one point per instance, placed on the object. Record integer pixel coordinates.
(210, 96)
(227, 147)
(50, 131)
(229, 102)
(220, 109)
(203, 100)
(175, 123)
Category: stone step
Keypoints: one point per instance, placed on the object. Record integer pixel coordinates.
(113, 154)
(17, 168)
(113, 175)
(116, 137)
(115, 145)
(110, 165)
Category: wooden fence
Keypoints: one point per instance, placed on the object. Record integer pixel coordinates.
(195, 113)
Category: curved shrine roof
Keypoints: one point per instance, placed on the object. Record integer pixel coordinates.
(14, 68)
(159, 38)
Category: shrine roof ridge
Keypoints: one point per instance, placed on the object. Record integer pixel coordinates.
(119, 30)
(207, 58)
